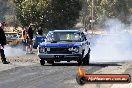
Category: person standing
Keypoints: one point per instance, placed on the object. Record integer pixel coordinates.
(30, 39)
(24, 37)
(2, 43)
(39, 38)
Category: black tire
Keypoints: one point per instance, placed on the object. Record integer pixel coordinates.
(79, 62)
(50, 62)
(81, 80)
(80, 59)
(86, 59)
(42, 62)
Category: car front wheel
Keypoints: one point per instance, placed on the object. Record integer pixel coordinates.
(42, 62)
(86, 59)
(79, 61)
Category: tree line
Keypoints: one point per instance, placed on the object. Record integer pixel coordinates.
(105, 9)
(60, 14)
(49, 14)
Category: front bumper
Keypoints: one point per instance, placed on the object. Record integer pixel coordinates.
(60, 57)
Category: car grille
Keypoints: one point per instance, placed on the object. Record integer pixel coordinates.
(59, 51)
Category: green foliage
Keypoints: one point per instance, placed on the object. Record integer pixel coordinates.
(48, 14)
(65, 13)
(104, 9)
(3, 9)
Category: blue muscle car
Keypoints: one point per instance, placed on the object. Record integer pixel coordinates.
(64, 45)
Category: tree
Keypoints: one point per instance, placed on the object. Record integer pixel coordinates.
(48, 14)
(3, 9)
(104, 9)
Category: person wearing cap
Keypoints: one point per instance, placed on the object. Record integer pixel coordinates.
(2, 43)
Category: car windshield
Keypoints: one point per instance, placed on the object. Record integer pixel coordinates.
(64, 36)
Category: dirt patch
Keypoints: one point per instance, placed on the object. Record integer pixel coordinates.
(24, 58)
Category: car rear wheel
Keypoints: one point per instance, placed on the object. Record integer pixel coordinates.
(42, 62)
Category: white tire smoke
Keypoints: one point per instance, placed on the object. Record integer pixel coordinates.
(115, 46)
(13, 51)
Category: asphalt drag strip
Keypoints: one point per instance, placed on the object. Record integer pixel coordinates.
(37, 76)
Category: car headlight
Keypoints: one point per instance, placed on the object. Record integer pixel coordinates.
(74, 49)
(48, 49)
(41, 49)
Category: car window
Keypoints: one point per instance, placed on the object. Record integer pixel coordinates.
(63, 36)
(50, 36)
(69, 36)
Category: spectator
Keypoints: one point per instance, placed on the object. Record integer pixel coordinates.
(24, 38)
(2, 43)
(39, 38)
(30, 39)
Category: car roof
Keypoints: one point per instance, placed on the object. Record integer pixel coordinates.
(65, 31)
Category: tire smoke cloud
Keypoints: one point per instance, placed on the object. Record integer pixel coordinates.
(13, 51)
(116, 45)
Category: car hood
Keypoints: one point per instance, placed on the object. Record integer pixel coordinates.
(60, 44)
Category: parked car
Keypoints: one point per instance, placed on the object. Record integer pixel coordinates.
(64, 45)
(12, 38)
